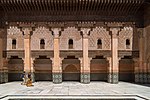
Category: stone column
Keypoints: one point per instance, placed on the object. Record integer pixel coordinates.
(141, 56)
(148, 68)
(136, 70)
(5, 70)
(32, 69)
(85, 71)
(3, 64)
(109, 80)
(56, 69)
(113, 73)
(27, 49)
(1, 59)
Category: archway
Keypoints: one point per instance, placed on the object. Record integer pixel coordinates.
(71, 73)
(71, 69)
(126, 69)
(98, 69)
(43, 69)
(15, 68)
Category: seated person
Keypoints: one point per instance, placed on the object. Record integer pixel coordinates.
(29, 81)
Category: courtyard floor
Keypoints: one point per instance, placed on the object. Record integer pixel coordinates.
(74, 89)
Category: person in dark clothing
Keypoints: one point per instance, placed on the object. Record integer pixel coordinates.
(23, 76)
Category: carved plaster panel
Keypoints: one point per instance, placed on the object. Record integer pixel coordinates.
(41, 33)
(14, 32)
(71, 33)
(125, 33)
(99, 33)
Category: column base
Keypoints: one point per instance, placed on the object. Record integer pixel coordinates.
(113, 78)
(142, 78)
(85, 78)
(145, 78)
(3, 77)
(148, 78)
(33, 77)
(137, 78)
(57, 78)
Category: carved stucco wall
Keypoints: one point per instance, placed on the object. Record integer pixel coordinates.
(147, 44)
(99, 33)
(42, 33)
(125, 33)
(14, 33)
(71, 33)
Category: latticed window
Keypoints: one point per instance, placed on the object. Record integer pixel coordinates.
(127, 44)
(14, 44)
(70, 44)
(99, 44)
(42, 44)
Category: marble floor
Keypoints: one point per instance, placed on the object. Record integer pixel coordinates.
(75, 89)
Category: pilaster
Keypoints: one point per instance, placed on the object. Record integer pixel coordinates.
(109, 76)
(5, 70)
(142, 69)
(85, 71)
(136, 70)
(148, 75)
(56, 67)
(27, 49)
(3, 61)
(113, 73)
(32, 70)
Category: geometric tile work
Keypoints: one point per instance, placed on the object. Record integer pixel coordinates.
(99, 33)
(148, 78)
(14, 33)
(137, 77)
(71, 33)
(142, 78)
(57, 77)
(85, 78)
(113, 78)
(42, 33)
(125, 33)
(3, 77)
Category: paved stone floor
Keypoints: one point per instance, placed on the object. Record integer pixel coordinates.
(75, 88)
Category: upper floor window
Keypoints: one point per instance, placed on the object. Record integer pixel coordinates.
(42, 44)
(127, 44)
(14, 42)
(99, 44)
(70, 42)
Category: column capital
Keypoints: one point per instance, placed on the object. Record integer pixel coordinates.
(32, 59)
(56, 32)
(27, 32)
(140, 32)
(1, 33)
(108, 58)
(85, 32)
(80, 59)
(114, 32)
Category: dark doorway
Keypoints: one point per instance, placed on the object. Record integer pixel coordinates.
(43, 69)
(71, 69)
(98, 69)
(15, 69)
(126, 70)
